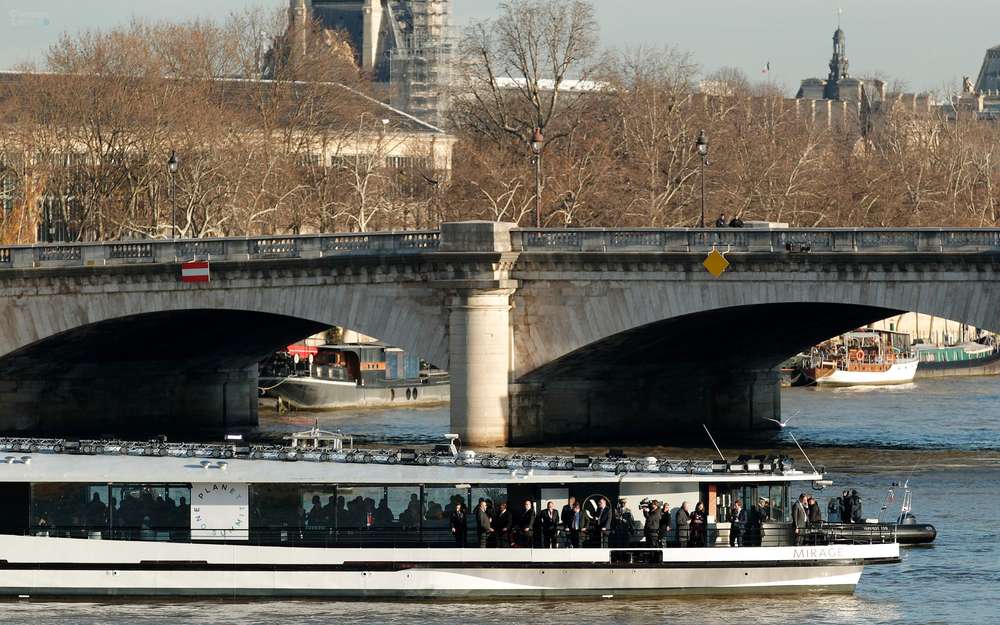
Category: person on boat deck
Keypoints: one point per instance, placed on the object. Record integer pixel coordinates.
(833, 509)
(664, 534)
(721, 221)
(458, 525)
(856, 515)
(737, 524)
(602, 521)
(315, 517)
(622, 525)
(815, 513)
(799, 517)
(550, 525)
(682, 523)
(756, 517)
(502, 526)
(699, 521)
(484, 524)
(566, 519)
(526, 524)
(651, 529)
(575, 524)
(845, 507)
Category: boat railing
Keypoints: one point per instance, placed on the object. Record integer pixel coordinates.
(850, 534)
(438, 456)
(439, 534)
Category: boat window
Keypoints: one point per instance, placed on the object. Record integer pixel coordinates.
(150, 512)
(775, 501)
(361, 503)
(404, 502)
(68, 509)
(439, 503)
(275, 513)
(320, 506)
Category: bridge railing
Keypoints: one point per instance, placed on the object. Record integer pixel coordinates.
(228, 249)
(850, 240)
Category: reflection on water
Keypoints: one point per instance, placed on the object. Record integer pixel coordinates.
(949, 429)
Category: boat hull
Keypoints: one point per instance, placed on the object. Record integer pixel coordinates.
(62, 566)
(901, 372)
(315, 394)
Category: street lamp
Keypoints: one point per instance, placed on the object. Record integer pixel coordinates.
(702, 144)
(172, 169)
(537, 144)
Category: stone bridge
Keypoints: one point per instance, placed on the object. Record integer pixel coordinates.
(549, 335)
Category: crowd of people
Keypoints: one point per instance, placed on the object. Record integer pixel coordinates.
(597, 525)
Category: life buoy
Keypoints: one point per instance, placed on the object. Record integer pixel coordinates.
(858, 354)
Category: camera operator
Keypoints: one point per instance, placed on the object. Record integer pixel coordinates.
(651, 529)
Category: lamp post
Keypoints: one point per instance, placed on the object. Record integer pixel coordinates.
(172, 169)
(702, 144)
(537, 144)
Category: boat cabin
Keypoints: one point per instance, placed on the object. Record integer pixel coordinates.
(317, 492)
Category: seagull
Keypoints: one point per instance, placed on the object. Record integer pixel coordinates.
(784, 423)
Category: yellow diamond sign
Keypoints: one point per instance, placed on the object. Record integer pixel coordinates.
(716, 263)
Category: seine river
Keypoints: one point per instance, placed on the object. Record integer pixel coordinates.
(942, 435)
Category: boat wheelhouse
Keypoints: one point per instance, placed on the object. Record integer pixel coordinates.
(156, 518)
(863, 358)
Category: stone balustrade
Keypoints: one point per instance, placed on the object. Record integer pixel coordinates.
(229, 249)
(679, 240)
(850, 240)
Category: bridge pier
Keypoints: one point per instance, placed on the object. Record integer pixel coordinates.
(479, 348)
(654, 408)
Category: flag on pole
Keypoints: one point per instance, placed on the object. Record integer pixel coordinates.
(194, 271)
(767, 68)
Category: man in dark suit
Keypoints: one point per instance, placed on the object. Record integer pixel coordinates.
(526, 524)
(550, 525)
(602, 521)
(737, 524)
(566, 519)
(651, 529)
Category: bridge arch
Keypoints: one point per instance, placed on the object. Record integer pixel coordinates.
(173, 357)
(667, 347)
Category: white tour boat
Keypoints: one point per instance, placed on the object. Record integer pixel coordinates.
(320, 518)
(863, 358)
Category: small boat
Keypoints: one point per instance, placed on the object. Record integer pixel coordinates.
(350, 375)
(862, 358)
(906, 528)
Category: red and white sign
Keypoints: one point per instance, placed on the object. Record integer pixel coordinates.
(195, 271)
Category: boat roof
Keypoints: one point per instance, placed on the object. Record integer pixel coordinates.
(57, 460)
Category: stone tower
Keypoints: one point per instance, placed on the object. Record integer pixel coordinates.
(838, 65)
(299, 15)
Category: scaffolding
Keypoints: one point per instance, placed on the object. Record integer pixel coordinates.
(420, 64)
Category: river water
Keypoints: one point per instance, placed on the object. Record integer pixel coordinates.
(942, 435)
